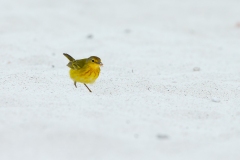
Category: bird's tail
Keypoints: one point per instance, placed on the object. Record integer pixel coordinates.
(70, 58)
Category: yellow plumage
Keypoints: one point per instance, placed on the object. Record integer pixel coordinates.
(84, 70)
(84, 75)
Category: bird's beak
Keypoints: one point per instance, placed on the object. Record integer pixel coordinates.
(100, 64)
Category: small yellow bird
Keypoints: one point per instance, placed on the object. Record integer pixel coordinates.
(84, 70)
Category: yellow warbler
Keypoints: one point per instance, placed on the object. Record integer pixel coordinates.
(84, 70)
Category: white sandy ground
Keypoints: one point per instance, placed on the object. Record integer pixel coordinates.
(148, 103)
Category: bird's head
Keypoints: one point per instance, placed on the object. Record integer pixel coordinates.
(95, 61)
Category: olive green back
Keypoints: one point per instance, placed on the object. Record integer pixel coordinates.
(77, 64)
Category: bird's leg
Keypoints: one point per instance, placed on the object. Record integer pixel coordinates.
(75, 84)
(87, 87)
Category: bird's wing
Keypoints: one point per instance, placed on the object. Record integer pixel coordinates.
(76, 64)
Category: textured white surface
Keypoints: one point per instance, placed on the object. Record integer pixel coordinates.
(148, 103)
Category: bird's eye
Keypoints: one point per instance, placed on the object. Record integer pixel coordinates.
(92, 60)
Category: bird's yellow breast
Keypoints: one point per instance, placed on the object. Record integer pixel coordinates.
(87, 74)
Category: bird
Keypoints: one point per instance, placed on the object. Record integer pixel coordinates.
(85, 70)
